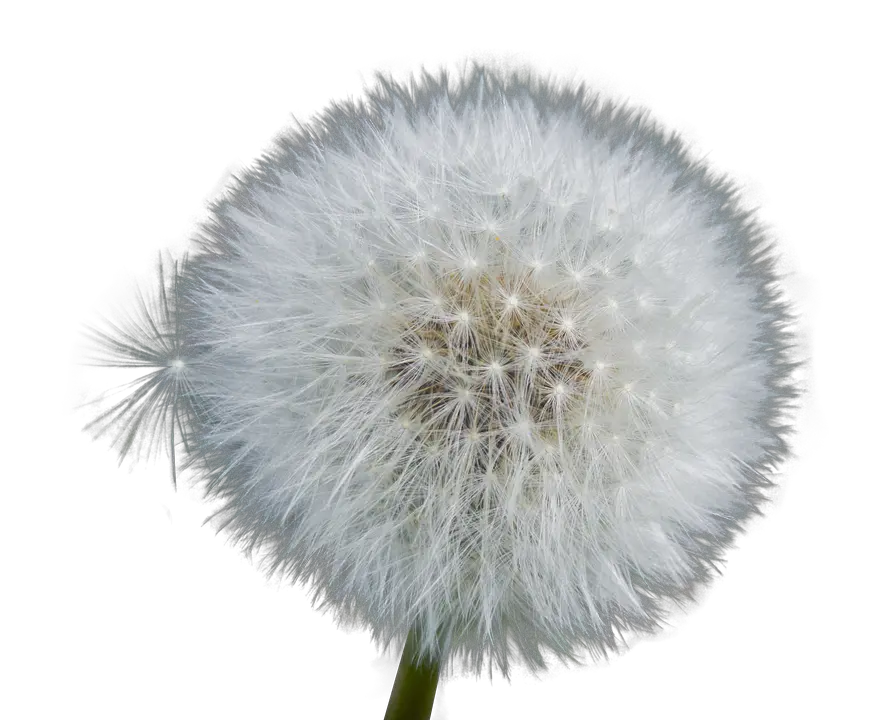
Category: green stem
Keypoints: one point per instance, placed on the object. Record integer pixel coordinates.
(415, 685)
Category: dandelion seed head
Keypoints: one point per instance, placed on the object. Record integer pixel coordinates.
(463, 430)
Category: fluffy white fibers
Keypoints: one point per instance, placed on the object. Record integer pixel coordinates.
(482, 353)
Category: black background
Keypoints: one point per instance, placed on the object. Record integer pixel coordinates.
(184, 618)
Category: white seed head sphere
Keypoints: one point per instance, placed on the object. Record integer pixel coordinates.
(482, 352)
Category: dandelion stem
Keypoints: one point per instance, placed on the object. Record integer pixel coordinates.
(415, 685)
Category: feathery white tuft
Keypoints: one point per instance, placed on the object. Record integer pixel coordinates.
(154, 406)
(487, 354)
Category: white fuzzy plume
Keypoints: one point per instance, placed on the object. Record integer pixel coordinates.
(485, 354)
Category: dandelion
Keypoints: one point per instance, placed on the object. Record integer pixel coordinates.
(489, 361)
